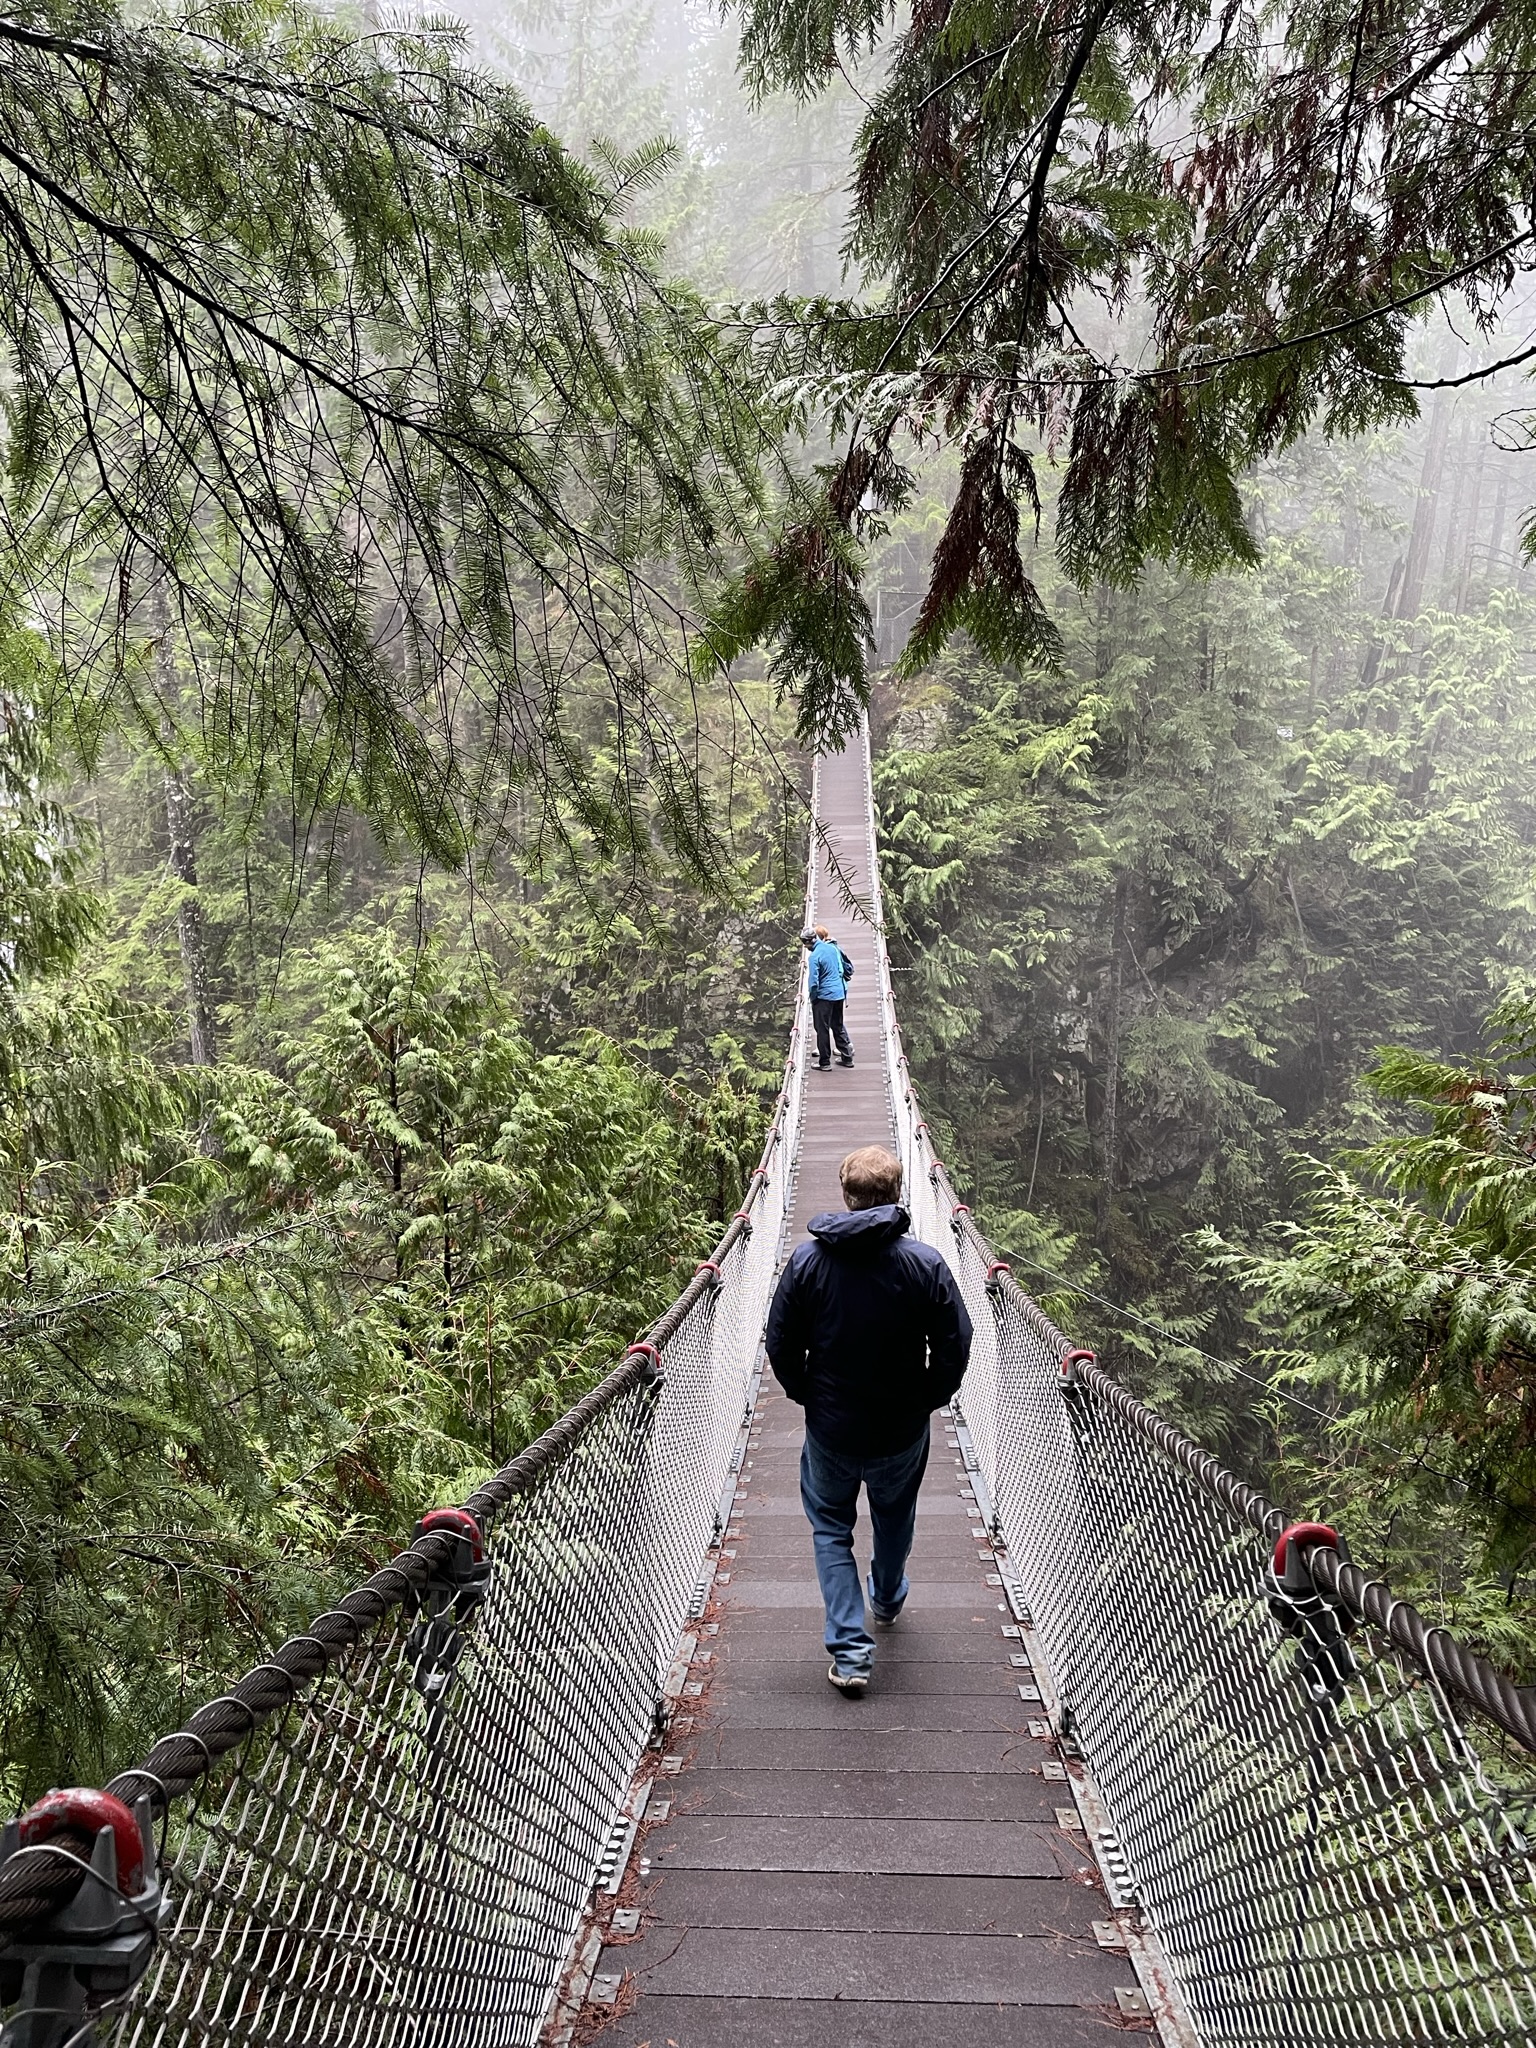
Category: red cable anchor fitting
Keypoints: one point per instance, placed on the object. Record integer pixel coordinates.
(455, 1589)
(457, 1522)
(1326, 1663)
(1306, 1536)
(998, 1266)
(707, 1266)
(96, 1943)
(648, 1351)
(74, 1818)
(1066, 1377)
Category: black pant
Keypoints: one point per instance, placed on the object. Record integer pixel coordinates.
(828, 1019)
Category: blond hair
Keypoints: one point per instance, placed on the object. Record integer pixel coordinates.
(870, 1176)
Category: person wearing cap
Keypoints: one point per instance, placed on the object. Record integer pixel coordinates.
(829, 990)
(868, 1332)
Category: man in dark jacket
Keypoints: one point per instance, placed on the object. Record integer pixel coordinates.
(869, 1334)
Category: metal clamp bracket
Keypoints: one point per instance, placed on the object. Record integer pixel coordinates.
(1327, 1663)
(96, 1947)
(455, 1589)
(653, 1354)
(1073, 1392)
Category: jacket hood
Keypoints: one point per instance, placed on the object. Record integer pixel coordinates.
(860, 1229)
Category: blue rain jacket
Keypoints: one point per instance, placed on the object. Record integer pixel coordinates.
(867, 1331)
(827, 983)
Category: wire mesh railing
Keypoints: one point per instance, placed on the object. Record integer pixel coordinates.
(388, 1832)
(1323, 1806)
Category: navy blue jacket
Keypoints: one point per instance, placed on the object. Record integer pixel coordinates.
(827, 983)
(867, 1331)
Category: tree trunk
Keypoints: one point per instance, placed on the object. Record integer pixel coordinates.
(1468, 565)
(1456, 504)
(1496, 535)
(182, 832)
(189, 918)
(1111, 1145)
(1410, 597)
(1374, 651)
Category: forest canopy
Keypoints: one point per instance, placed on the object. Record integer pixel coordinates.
(1146, 246)
(352, 429)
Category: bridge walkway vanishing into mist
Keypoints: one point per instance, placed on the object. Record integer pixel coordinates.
(1139, 1754)
(863, 1874)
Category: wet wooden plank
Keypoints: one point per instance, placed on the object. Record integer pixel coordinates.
(852, 1793)
(852, 1902)
(930, 1969)
(891, 1710)
(713, 2022)
(864, 1748)
(807, 1672)
(911, 1848)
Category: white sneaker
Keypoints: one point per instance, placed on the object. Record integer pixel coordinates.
(854, 1683)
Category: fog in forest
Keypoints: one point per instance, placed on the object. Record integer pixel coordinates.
(376, 1078)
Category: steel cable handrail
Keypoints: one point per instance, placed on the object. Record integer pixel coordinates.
(46, 1878)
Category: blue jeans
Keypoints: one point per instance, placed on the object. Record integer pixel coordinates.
(829, 1488)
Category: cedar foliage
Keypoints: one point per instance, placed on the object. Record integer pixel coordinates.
(325, 350)
(1153, 917)
(1156, 243)
(257, 1315)
(1410, 1281)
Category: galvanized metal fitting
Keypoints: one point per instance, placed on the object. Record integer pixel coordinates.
(454, 1589)
(96, 1947)
(648, 1351)
(1326, 1664)
(1073, 1392)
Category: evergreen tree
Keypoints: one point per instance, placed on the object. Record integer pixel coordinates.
(255, 1318)
(1153, 912)
(1149, 243)
(324, 349)
(1405, 1298)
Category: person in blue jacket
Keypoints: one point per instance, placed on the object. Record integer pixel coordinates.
(868, 1332)
(829, 989)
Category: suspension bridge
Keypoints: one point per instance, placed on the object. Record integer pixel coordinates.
(1143, 1754)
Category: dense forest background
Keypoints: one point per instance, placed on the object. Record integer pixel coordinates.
(341, 1147)
(333, 1173)
(1157, 914)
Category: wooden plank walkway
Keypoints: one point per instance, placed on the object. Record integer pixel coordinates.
(872, 1873)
